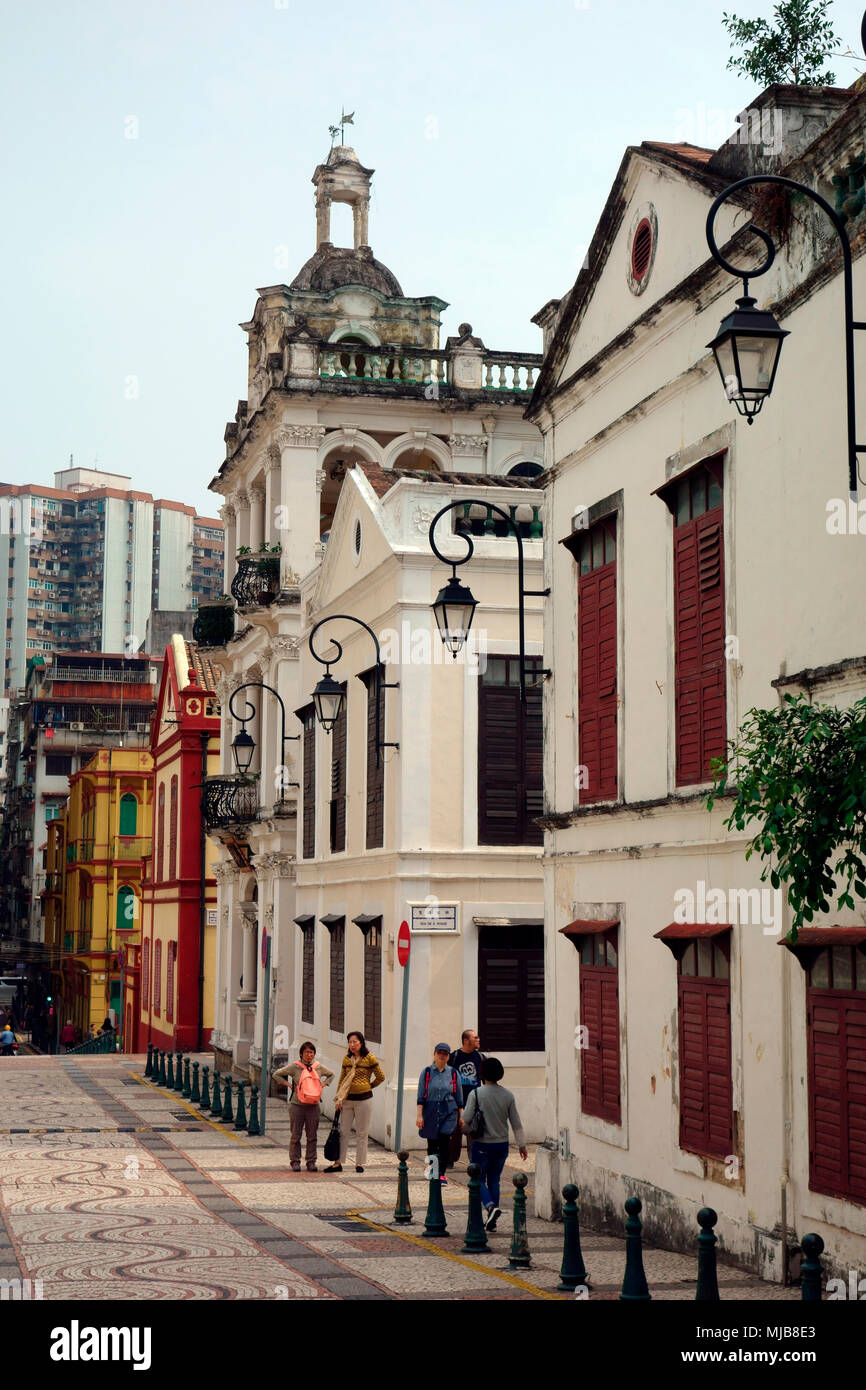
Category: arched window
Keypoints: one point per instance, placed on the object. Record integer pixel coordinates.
(128, 814)
(527, 469)
(172, 832)
(127, 909)
(160, 832)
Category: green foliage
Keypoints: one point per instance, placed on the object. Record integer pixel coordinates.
(790, 48)
(800, 772)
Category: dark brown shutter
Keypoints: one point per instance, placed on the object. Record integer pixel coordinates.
(337, 1000)
(599, 1068)
(706, 1103)
(160, 833)
(308, 978)
(338, 781)
(172, 832)
(597, 733)
(509, 755)
(837, 1093)
(375, 775)
(699, 607)
(373, 980)
(308, 717)
(511, 988)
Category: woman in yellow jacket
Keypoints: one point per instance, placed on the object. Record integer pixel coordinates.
(359, 1077)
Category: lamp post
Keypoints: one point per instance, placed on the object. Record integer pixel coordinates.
(328, 696)
(749, 341)
(455, 604)
(243, 745)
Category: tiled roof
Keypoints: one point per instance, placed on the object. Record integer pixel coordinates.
(696, 153)
(207, 672)
(382, 480)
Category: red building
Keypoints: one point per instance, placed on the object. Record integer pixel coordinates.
(175, 962)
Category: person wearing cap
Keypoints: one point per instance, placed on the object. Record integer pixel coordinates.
(440, 1106)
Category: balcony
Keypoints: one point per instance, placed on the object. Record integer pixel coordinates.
(214, 624)
(501, 372)
(228, 800)
(257, 581)
(131, 847)
(82, 852)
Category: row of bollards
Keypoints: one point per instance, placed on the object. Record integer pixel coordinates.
(209, 1091)
(573, 1274)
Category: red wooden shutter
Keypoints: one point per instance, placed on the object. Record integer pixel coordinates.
(337, 1001)
(509, 755)
(160, 832)
(308, 975)
(699, 608)
(172, 832)
(596, 615)
(145, 973)
(373, 981)
(169, 981)
(157, 977)
(599, 1060)
(837, 1094)
(706, 1102)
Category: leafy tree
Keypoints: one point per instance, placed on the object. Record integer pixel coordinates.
(800, 772)
(790, 48)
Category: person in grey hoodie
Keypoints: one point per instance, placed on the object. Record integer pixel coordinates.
(498, 1109)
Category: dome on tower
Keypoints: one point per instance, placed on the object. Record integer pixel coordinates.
(332, 266)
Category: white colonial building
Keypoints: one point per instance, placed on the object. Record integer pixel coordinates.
(356, 429)
(698, 570)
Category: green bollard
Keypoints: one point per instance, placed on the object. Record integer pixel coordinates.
(178, 1081)
(194, 1094)
(518, 1255)
(402, 1209)
(707, 1290)
(186, 1092)
(253, 1126)
(160, 1079)
(241, 1115)
(227, 1117)
(434, 1221)
(810, 1269)
(634, 1284)
(169, 1071)
(148, 1070)
(217, 1103)
(476, 1236)
(572, 1271)
(204, 1103)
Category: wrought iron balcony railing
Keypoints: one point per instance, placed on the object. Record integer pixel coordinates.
(214, 624)
(257, 581)
(230, 799)
(131, 846)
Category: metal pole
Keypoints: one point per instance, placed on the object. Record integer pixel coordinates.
(265, 1034)
(401, 1068)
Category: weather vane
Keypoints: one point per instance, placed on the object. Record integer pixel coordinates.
(344, 121)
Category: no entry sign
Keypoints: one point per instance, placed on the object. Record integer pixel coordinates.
(403, 941)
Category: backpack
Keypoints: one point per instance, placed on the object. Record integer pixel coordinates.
(309, 1089)
(427, 1081)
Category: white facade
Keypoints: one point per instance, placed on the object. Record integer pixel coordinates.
(630, 401)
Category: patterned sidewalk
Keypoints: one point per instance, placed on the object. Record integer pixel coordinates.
(113, 1188)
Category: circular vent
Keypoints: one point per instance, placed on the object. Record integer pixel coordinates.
(641, 250)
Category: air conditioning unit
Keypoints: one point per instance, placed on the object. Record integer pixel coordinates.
(78, 725)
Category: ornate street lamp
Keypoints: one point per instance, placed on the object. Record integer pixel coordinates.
(455, 605)
(749, 341)
(244, 745)
(328, 696)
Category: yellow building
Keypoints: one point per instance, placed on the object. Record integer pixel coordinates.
(93, 914)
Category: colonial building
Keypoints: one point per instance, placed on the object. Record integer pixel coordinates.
(170, 970)
(699, 569)
(356, 427)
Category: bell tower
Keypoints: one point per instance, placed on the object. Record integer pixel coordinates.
(342, 179)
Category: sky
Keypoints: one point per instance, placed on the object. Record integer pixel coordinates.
(156, 163)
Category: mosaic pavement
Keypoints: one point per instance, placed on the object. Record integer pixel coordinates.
(113, 1188)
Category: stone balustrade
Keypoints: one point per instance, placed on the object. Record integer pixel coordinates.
(412, 365)
(504, 371)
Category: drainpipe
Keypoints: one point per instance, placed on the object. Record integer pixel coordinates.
(202, 911)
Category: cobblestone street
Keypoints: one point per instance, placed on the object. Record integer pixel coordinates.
(115, 1189)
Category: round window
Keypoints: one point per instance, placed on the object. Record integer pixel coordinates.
(641, 249)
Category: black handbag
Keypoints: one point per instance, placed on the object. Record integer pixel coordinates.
(475, 1127)
(332, 1143)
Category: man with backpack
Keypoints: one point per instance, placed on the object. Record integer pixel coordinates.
(308, 1078)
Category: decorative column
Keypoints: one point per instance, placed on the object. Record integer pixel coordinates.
(230, 522)
(361, 219)
(249, 925)
(323, 219)
(468, 452)
(241, 504)
(282, 864)
(226, 874)
(273, 535)
(256, 493)
(299, 447)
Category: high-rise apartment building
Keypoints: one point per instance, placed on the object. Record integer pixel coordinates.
(85, 562)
